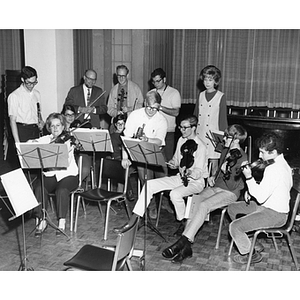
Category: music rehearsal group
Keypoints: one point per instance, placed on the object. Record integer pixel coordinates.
(204, 169)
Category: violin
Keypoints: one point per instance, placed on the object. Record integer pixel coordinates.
(258, 167)
(234, 155)
(187, 150)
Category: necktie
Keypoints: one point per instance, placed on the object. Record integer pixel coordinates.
(88, 99)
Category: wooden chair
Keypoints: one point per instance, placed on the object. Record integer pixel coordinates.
(93, 258)
(110, 170)
(280, 232)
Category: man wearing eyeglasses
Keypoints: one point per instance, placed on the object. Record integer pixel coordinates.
(170, 106)
(154, 127)
(24, 108)
(82, 98)
(194, 174)
(125, 96)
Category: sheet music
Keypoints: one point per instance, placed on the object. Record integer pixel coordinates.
(19, 192)
(52, 155)
(94, 139)
(145, 152)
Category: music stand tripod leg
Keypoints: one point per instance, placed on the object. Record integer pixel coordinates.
(147, 222)
(23, 265)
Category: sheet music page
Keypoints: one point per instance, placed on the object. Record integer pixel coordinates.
(19, 192)
(93, 139)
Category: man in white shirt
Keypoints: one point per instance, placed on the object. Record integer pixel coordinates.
(154, 127)
(24, 108)
(272, 196)
(170, 106)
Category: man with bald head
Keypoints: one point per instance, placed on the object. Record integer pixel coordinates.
(82, 95)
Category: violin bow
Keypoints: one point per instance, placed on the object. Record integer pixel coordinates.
(224, 158)
(90, 105)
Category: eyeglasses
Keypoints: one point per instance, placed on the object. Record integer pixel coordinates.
(152, 108)
(69, 115)
(31, 83)
(228, 136)
(157, 81)
(120, 123)
(121, 76)
(91, 79)
(184, 127)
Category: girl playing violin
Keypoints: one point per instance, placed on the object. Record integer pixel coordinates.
(223, 189)
(61, 182)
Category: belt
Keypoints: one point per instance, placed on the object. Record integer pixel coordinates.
(27, 125)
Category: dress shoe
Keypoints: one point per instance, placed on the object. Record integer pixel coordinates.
(243, 259)
(186, 252)
(173, 250)
(121, 229)
(41, 228)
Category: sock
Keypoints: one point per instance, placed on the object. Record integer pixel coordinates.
(62, 223)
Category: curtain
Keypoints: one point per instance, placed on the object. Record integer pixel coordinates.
(11, 58)
(160, 52)
(259, 67)
(11, 50)
(83, 52)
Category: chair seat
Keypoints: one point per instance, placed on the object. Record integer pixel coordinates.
(92, 258)
(100, 195)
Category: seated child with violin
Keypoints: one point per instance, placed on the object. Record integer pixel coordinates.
(60, 181)
(223, 188)
(190, 159)
(270, 206)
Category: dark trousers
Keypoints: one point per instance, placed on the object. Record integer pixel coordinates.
(27, 132)
(62, 191)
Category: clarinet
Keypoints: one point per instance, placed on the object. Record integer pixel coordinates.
(39, 118)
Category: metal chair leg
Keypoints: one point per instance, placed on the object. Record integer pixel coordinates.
(252, 249)
(230, 247)
(220, 227)
(159, 208)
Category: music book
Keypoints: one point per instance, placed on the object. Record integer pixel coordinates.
(93, 139)
(216, 138)
(145, 152)
(19, 192)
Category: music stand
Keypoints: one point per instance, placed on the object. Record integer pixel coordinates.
(22, 200)
(43, 156)
(148, 154)
(93, 140)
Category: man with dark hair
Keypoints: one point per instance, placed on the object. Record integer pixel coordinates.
(270, 207)
(125, 96)
(170, 106)
(24, 108)
(191, 161)
(82, 96)
(222, 190)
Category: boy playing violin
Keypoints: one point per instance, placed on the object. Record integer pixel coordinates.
(224, 188)
(272, 196)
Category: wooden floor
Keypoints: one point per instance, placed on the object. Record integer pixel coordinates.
(50, 252)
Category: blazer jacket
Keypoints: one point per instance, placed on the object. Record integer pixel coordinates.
(75, 97)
